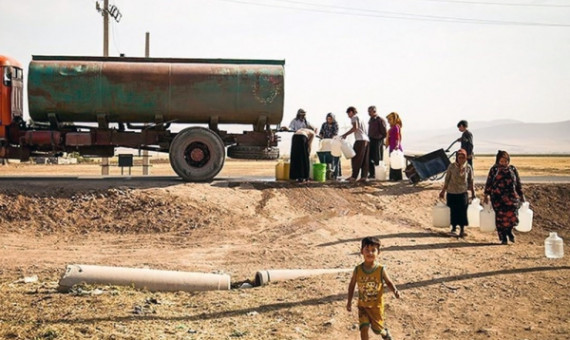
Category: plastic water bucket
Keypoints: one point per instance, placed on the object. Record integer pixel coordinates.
(525, 218)
(487, 219)
(320, 172)
(474, 213)
(441, 215)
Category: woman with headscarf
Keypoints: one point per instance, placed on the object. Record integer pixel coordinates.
(394, 142)
(300, 152)
(329, 129)
(458, 180)
(505, 189)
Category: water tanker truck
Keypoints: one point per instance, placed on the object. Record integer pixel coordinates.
(92, 105)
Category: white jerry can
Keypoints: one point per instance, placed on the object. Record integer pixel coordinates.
(441, 215)
(525, 218)
(474, 213)
(487, 219)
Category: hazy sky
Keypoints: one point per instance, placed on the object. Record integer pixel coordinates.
(432, 61)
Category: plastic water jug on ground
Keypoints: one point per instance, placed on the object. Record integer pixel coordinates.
(441, 215)
(554, 247)
(280, 171)
(286, 170)
(474, 212)
(386, 157)
(487, 219)
(380, 172)
(397, 160)
(525, 218)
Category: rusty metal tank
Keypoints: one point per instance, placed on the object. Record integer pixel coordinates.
(131, 90)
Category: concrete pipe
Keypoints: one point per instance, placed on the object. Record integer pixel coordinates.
(263, 277)
(150, 279)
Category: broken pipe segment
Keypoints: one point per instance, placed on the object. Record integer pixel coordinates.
(263, 277)
(150, 279)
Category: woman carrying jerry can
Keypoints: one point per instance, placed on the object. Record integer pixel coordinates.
(504, 187)
(458, 180)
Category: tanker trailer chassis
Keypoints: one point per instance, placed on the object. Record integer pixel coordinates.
(132, 102)
(196, 153)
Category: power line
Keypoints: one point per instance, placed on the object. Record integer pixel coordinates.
(390, 15)
(498, 3)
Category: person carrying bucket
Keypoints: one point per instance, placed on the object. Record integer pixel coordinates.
(458, 180)
(360, 161)
(504, 188)
(394, 142)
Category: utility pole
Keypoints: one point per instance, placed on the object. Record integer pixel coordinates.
(105, 13)
(114, 12)
(105, 28)
(145, 157)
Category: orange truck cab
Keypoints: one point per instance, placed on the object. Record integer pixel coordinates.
(11, 94)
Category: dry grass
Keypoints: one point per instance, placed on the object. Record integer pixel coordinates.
(527, 166)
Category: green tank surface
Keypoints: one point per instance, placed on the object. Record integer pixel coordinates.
(145, 90)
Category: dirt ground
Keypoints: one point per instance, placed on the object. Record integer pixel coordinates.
(470, 288)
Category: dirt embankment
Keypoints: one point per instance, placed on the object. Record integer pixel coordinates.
(452, 288)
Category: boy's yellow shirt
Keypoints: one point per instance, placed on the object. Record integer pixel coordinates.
(370, 286)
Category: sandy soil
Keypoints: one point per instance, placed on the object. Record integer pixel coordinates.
(470, 288)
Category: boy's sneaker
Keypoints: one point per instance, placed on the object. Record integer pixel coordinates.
(387, 336)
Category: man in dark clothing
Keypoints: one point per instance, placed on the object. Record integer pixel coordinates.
(376, 133)
(466, 140)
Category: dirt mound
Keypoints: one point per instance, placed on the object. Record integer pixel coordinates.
(469, 288)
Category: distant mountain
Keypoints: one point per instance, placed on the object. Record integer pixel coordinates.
(511, 135)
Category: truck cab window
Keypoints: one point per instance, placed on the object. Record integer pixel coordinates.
(7, 77)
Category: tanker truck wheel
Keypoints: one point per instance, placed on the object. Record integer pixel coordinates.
(197, 154)
(253, 152)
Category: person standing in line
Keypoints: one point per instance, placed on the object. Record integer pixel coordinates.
(300, 152)
(376, 133)
(466, 140)
(329, 129)
(370, 278)
(300, 122)
(458, 180)
(394, 142)
(504, 187)
(360, 161)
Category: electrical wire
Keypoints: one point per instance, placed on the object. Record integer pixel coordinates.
(116, 42)
(499, 3)
(390, 15)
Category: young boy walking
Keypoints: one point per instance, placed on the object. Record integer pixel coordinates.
(370, 277)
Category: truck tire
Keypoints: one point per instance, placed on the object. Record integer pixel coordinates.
(197, 154)
(253, 152)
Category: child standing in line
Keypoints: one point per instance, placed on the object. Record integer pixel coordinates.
(370, 277)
